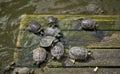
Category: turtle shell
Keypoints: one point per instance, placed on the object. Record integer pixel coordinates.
(50, 31)
(88, 24)
(47, 41)
(34, 27)
(52, 19)
(57, 50)
(39, 54)
(78, 53)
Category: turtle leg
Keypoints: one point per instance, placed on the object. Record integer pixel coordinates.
(53, 57)
(58, 58)
(89, 53)
(72, 60)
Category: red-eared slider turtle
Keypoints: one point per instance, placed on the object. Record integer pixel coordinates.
(48, 41)
(39, 55)
(88, 25)
(23, 70)
(52, 19)
(53, 31)
(57, 51)
(35, 28)
(77, 53)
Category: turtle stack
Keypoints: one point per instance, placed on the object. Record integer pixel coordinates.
(52, 40)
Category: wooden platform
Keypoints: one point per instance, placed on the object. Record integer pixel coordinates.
(105, 44)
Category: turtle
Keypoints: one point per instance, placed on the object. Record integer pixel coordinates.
(23, 70)
(39, 56)
(35, 28)
(51, 21)
(48, 41)
(56, 32)
(88, 25)
(57, 51)
(77, 53)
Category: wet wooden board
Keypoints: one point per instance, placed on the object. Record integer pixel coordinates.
(101, 39)
(78, 71)
(70, 22)
(100, 57)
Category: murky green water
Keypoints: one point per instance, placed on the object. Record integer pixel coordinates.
(11, 10)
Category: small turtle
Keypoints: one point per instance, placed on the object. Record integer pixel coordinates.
(88, 25)
(50, 31)
(23, 70)
(52, 19)
(77, 53)
(48, 41)
(57, 51)
(39, 56)
(35, 28)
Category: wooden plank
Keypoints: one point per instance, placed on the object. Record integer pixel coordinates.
(100, 57)
(78, 71)
(68, 22)
(86, 70)
(27, 39)
(103, 39)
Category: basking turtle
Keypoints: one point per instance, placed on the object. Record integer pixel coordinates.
(35, 28)
(53, 31)
(39, 56)
(88, 25)
(48, 41)
(57, 51)
(52, 19)
(23, 70)
(77, 53)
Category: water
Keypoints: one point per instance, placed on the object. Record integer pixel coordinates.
(11, 10)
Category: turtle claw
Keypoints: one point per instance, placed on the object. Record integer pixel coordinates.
(53, 58)
(58, 58)
(89, 53)
(72, 60)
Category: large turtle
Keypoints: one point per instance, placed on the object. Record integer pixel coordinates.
(77, 53)
(57, 51)
(88, 25)
(53, 31)
(48, 41)
(35, 28)
(39, 56)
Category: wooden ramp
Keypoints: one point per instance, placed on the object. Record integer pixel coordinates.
(105, 44)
